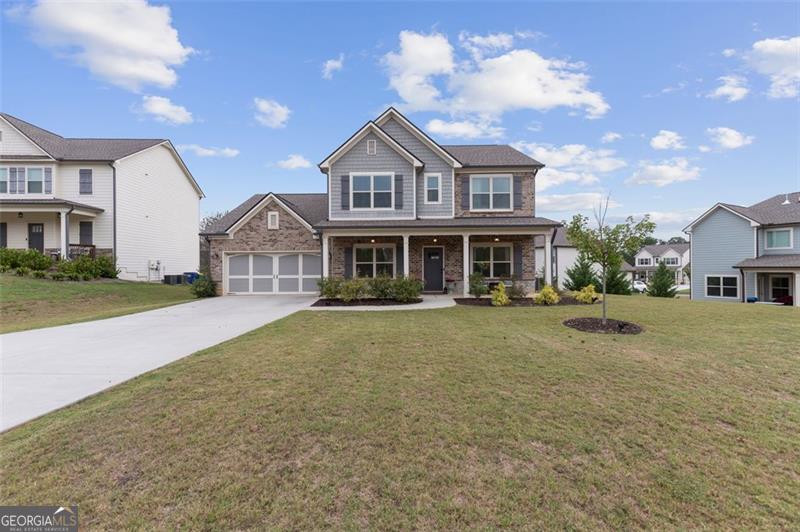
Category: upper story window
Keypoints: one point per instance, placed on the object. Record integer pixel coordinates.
(3, 180)
(372, 147)
(645, 261)
(85, 181)
(779, 238)
(26, 180)
(490, 193)
(272, 220)
(372, 191)
(433, 188)
(35, 181)
(671, 261)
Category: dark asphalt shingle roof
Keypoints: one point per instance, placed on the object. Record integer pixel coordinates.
(559, 239)
(312, 208)
(659, 249)
(48, 201)
(72, 149)
(489, 155)
(772, 211)
(772, 261)
(504, 221)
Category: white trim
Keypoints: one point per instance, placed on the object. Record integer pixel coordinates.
(435, 246)
(372, 176)
(36, 145)
(453, 192)
(491, 178)
(689, 227)
(438, 188)
(721, 289)
(370, 126)
(270, 225)
(417, 132)
(374, 262)
(372, 147)
(509, 245)
(648, 259)
(775, 230)
(261, 204)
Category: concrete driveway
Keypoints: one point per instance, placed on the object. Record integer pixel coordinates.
(46, 369)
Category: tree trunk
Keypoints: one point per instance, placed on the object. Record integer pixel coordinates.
(604, 297)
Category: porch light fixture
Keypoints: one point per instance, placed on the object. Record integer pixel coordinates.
(496, 239)
(19, 215)
(372, 240)
(435, 240)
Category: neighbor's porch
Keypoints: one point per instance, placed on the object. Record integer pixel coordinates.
(773, 286)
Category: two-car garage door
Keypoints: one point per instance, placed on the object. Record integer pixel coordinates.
(272, 273)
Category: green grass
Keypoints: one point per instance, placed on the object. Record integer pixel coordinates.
(458, 418)
(28, 303)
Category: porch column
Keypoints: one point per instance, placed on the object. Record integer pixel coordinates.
(406, 265)
(548, 257)
(465, 265)
(64, 235)
(796, 291)
(325, 247)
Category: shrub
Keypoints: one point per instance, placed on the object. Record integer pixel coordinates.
(663, 283)
(56, 276)
(4, 268)
(517, 290)
(548, 296)
(28, 258)
(477, 285)
(581, 274)
(329, 287)
(499, 297)
(86, 277)
(73, 276)
(587, 295)
(617, 281)
(106, 267)
(39, 274)
(353, 289)
(381, 287)
(22, 271)
(204, 287)
(406, 289)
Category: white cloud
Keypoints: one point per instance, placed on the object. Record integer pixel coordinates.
(727, 138)
(551, 177)
(332, 65)
(703, 148)
(732, 87)
(570, 163)
(672, 217)
(270, 113)
(163, 110)
(480, 45)
(581, 201)
(728, 52)
(465, 129)
(130, 44)
(667, 140)
(294, 161)
(663, 173)
(610, 137)
(211, 151)
(779, 59)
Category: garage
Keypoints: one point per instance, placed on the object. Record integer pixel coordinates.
(273, 273)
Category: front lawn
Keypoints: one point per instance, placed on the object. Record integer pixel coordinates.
(465, 417)
(28, 303)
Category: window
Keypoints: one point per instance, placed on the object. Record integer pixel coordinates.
(3, 180)
(372, 147)
(272, 220)
(643, 261)
(372, 191)
(490, 193)
(671, 261)
(85, 234)
(433, 192)
(374, 261)
(779, 238)
(85, 181)
(779, 286)
(35, 181)
(493, 261)
(722, 286)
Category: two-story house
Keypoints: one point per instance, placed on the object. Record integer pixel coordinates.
(131, 199)
(397, 203)
(676, 257)
(747, 253)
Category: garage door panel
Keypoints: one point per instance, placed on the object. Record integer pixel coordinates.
(262, 284)
(239, 265)
(312, 265)
(239, 285)
(288, 284)
(310, 284)
(262, 265)
(288, 264)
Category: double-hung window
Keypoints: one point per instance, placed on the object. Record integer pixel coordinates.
(722, 286)
(3, 180)
(492, 261)
(671, 261)
(35, 180)
(643, 261)
(374, 261)
(779, 238)
(372, 191)
(779, 286)
(85, 181)
(490, 193)
(433, 188)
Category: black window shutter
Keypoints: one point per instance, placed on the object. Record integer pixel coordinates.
(86, 236)
(346, 192)
(517, 260)
(3, 235)
(517, 192)
(465, 192)
(348, 263)
(399, 260)
(398, 191)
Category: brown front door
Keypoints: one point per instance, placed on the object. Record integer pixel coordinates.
(36, 237)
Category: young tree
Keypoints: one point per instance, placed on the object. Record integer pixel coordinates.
(581, 274)
(663, 283)
(617, 281)
(677, 240)
(606, 244)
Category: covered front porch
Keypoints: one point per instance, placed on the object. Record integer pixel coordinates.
(772, 286)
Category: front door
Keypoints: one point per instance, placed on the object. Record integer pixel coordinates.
(36, 237)
(433, 269)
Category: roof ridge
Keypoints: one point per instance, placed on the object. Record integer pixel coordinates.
(115, 138)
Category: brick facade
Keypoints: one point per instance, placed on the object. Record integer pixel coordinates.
(453, 255)
(528, 197)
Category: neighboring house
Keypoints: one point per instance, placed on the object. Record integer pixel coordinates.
(131, 199)
(675, 256)
(398, 203)
(741, 253)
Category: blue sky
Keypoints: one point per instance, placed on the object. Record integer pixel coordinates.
(668, 107)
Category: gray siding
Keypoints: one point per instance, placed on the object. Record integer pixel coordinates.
(386, 159)
(718, 243)
(762, 242)
(433, 164)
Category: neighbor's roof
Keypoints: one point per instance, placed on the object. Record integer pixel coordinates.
(772, 211)
(657, 250)
(48, 201)
(72, 149)
(312, 208)
(626, 267)
(559, 239)
(489, 155)
(499, 222)
(772, 261)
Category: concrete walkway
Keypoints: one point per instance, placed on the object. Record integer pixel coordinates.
(46, 369)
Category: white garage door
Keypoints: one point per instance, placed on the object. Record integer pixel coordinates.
(273, 273)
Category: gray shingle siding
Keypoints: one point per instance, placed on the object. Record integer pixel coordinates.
(386, 159)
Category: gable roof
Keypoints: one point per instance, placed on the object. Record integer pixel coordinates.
(361, 133)
(659, 249)
(312, 208)
(391, 112)
(483, 155)
(771, 211)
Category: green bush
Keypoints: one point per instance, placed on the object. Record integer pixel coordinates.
(56, 276)
(4, 268)
(517, 290)
(106, 268)
(329, 287)
(547, 296)
(587, 295)
(617, 281)
(73, 276)
(353, 289)
(406, 289)
(39, 274)
(22, 271)
(204, 287)
(581, 274)
(28, 258)
(499, 296)
(477, 285)
(663, 283)
(86, 277)
(381, 287)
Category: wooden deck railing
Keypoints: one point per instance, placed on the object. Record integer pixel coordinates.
(76, 250)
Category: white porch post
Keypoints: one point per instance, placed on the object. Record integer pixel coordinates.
(796, 292)
(548, 257)
(325, 246)
(406, 264)
(466, 265)
(64, 235)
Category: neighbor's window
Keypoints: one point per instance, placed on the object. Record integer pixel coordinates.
(722, 286)
(779, 238)
(3, 180)
(643, 262)
(35, 180)
(671, 261)
(779, 286)
(492, 261)
(272, 220)
(433, 188)
(374, 261)
(372, 191)
(490, 193)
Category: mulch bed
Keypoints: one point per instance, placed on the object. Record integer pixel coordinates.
(368, 302)
(522, 302)
(595, 325)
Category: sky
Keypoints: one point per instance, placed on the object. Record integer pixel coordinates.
(667, 108)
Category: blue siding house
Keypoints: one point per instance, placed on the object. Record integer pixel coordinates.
(747, 253)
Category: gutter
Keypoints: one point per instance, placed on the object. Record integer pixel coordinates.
(114, 213)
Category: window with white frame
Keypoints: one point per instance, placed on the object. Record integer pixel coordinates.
(433, 188)
(779, 286)
(374, 260)
(272, 220)
(372, 147)
(492, 261)
(3, 180)
(372, 191)
(779, 238)
(35, 180)
(645, 261)
(671, 261)
(722, 286)
(490, 193)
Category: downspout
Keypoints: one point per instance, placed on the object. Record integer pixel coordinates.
(114, 213)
